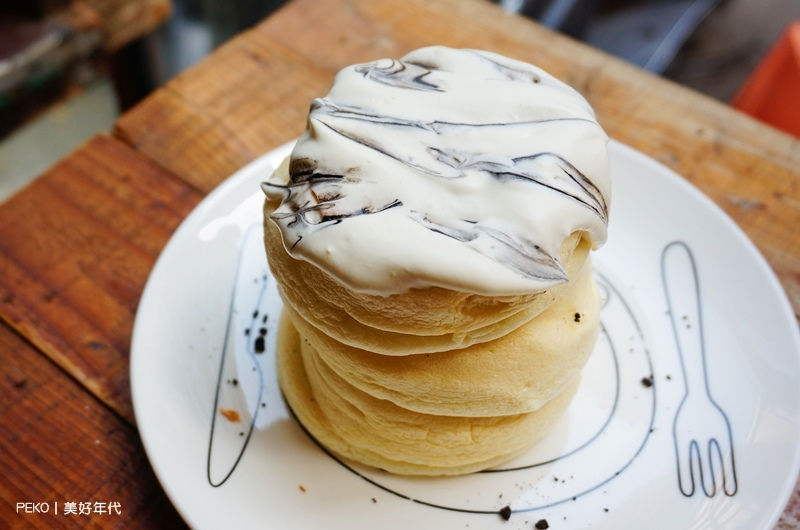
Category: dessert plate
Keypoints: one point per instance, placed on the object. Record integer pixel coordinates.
(688, 414)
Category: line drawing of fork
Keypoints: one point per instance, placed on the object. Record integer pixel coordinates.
(701, 429)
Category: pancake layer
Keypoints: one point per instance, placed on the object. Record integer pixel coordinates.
(516, 373)
(379, 433)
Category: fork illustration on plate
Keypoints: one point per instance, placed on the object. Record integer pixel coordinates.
(701, 430)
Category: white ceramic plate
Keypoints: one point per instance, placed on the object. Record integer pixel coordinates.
(715, 385)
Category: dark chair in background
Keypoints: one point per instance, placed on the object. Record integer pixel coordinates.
(648, 33)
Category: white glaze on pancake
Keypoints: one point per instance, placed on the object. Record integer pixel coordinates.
(459, 169)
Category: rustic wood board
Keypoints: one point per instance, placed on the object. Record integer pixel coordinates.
(47, 460)
(78, 245)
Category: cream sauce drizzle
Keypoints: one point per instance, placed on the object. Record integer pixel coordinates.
(461, 169)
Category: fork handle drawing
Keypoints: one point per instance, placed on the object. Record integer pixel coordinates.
(683, 296)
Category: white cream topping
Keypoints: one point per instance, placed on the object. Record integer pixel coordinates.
(461, 169)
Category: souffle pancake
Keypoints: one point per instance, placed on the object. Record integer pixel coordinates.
(431, 236)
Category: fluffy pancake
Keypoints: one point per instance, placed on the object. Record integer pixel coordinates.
(518, 372)
(377, 432)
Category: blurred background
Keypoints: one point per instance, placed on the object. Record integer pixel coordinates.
(68, 68)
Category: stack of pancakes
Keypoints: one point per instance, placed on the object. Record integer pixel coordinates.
(431, 381)
(439, 298)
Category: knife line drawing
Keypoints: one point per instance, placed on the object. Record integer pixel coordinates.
(701, 430)
(245, 332)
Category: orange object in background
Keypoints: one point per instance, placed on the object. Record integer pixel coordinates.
(772, 92)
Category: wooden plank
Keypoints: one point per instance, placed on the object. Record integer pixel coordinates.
(61, 445)
(750, 170)
(77, 247)
(250, 96)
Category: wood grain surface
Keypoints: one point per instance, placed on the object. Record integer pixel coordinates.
(78, 244)
(45, 458)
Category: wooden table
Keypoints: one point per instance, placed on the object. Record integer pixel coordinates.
(77, 245)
